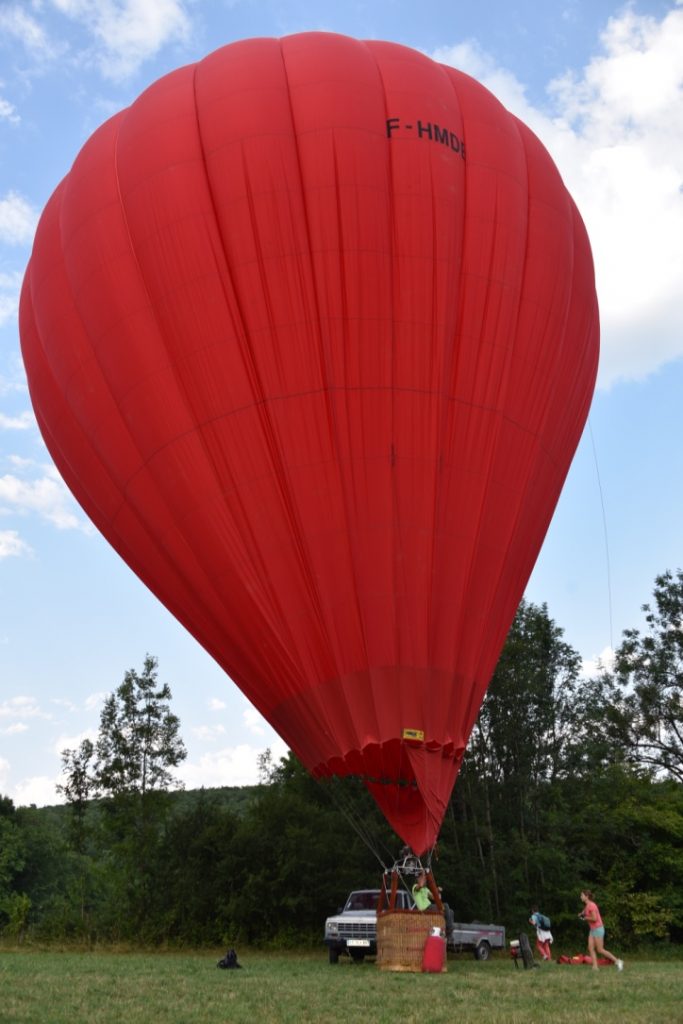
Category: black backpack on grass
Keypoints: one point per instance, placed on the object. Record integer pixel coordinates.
(229, 961)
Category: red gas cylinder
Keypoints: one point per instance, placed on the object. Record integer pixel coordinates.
(434, 953)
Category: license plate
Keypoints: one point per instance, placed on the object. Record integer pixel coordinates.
(358, 942)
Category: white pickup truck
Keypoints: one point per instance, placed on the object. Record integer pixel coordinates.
(353, 930)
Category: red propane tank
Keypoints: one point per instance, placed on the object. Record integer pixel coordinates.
(434, 953)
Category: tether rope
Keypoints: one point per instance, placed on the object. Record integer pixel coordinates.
(334, 788)
(605, 535)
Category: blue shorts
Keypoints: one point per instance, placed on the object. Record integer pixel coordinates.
(598, 933)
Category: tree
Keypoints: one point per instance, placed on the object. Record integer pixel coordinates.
(139, 741)
(650, 668)
(294, 857)
(517, 744)
(600, 728)
(129, 768)
(11, 853)
(12, 856)
(524, 721)
(197, 868)
(137, 746)
(79, 784)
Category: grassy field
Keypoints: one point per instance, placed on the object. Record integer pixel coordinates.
(51, 987)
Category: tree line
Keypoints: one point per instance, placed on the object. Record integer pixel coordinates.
(568, 782)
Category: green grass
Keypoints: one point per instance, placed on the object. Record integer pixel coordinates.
(50, 987)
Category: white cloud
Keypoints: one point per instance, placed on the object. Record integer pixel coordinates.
(617, 137)
(127, 32)
(94, 700)
(254, 722)
(12, 546)
(62, 702)
(23, 421)
(46, 495)
(208, 733)
(40, 790)
(64, 742)
(217, 705)
(16, 23)
(17, 381)
(20, 708)
(18, 219)
(10, 286)
(601, 662)
(8, 112)
(232, 766)
(15, 729)
(471, 58)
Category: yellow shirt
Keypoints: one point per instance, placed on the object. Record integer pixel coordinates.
(422, 897)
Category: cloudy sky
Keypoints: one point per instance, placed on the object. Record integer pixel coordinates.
(600, 82)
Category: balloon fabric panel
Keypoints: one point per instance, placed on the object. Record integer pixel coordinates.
(311, 333)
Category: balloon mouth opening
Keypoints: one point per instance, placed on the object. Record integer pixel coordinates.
(410, 782)
(389, 763)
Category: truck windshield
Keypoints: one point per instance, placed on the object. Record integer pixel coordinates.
(361, 901)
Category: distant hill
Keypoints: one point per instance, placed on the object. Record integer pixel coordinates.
(236, 798)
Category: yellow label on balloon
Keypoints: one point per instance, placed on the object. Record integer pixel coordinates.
(413, 734)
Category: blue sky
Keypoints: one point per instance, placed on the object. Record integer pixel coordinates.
(601, 83)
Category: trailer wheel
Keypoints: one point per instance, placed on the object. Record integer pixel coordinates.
(483, 951)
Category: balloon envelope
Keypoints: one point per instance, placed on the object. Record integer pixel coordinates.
(311, 334)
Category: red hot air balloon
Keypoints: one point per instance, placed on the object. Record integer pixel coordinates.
(311, 334)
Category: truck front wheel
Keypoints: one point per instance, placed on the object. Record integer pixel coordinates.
(334, 955)
(483, 951)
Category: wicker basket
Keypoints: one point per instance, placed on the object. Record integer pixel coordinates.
(401, 937)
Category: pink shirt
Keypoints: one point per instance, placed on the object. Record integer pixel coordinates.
(592, 915)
